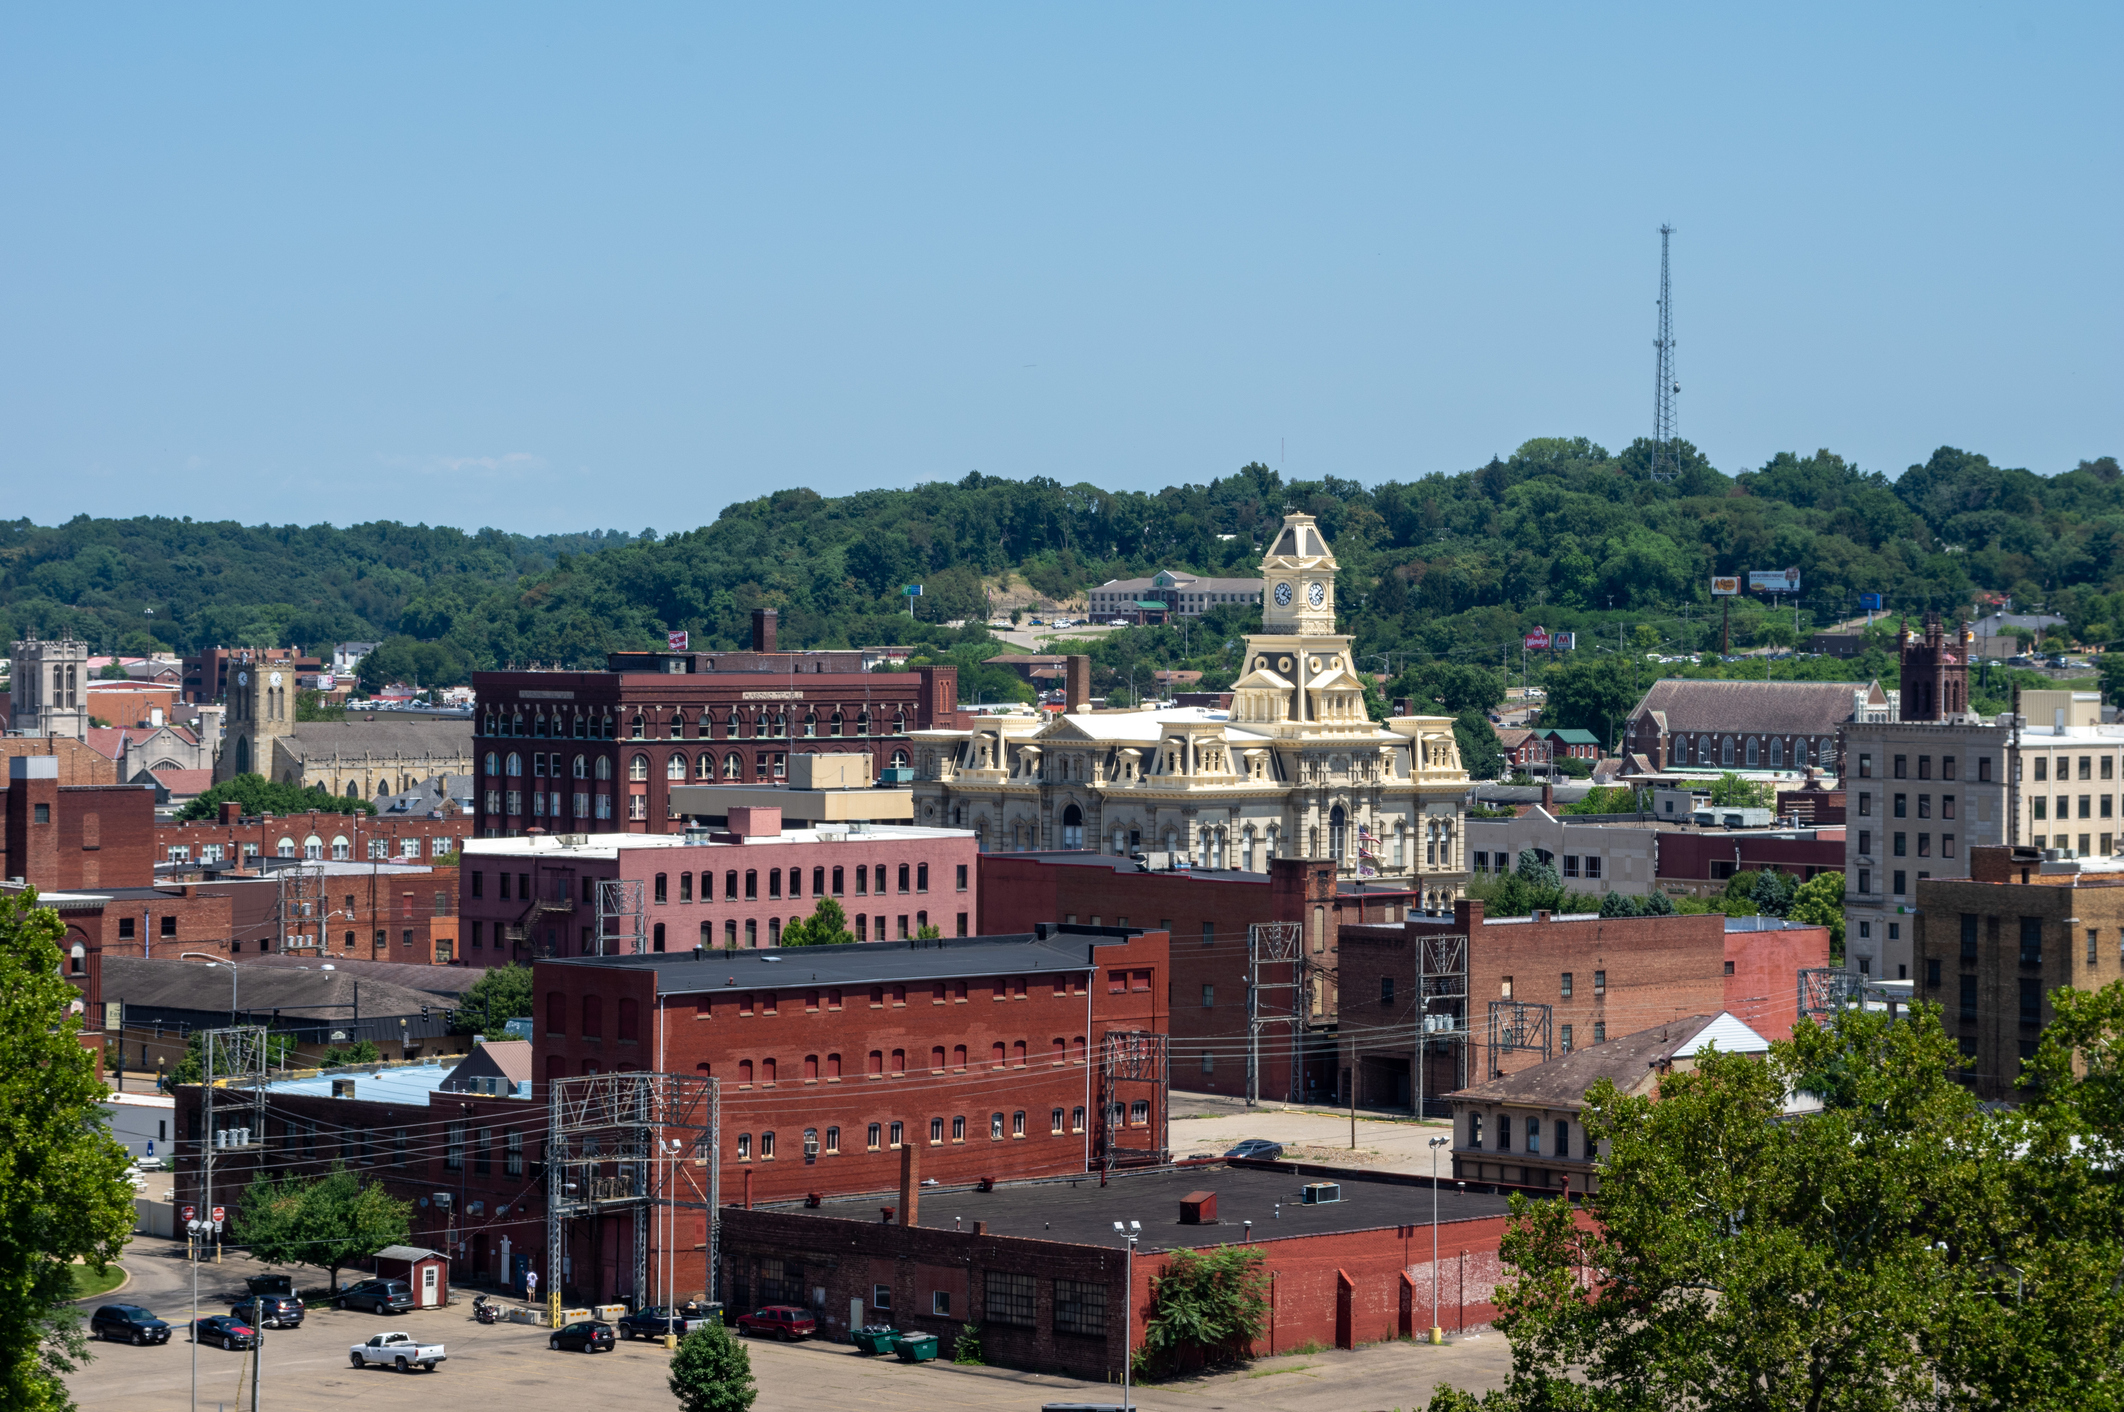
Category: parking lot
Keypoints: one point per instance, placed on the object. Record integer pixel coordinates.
(307, 1368)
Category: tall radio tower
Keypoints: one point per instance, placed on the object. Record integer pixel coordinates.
(1664, 465)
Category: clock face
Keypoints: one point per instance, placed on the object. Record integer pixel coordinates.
(243, 679)
(1283, 595)
(274, 680)
(1316, 593)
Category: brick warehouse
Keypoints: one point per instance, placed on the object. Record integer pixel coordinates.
(1208, 914)
(234, 839)
(1037, 1266)
(653, 720)
(523, 898)
(916, 1029)
(1587, 976)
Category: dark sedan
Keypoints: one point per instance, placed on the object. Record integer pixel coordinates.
(1259, 1148)
(224, 1330)
(586, 1336)
(376, 1296)
(272, 1311)
(127, 1323)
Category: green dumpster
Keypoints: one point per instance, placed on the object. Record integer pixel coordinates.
(875, 1339)
(916, 1348)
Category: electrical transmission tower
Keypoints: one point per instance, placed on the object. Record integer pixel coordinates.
(1664, 465)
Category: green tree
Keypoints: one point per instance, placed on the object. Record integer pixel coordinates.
(501, 995)
(1207, 1306)
(63, 1193)
(1614, 799)
(361, 1051)
(310, 705)
(259, 795)
(1531, 869)
(712, 1372)
(1479, 745)
(1737, 1258)
(1595, 696)
(329, 1221)
(2111, 673)
(1820, 900)
(1730, 791)
(826, 926)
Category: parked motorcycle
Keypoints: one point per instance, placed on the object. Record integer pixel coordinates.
(485, 1310)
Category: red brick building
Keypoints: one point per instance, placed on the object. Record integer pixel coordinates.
(206, 674)
(1701, 864)
(616, 741)
(236, 839)
(536, 896)
(1585, 977)
(1208, 915)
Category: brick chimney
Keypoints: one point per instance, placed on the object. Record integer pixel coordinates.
(1467, 915)
(910, 1178)
(763, 620)
(1548, 795)
(1076, 682)
(231, 812)
(33, 820)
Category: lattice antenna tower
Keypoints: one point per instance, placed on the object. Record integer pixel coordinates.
(1664, 465)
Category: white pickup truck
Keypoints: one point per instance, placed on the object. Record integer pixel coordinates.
(397, 1350)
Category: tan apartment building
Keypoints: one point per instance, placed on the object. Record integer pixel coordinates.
(1990, 949)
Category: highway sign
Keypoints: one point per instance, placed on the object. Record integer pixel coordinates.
(1725, 585)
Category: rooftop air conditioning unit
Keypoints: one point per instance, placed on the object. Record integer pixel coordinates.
(1320, 1193)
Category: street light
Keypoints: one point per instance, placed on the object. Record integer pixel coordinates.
(1437, 1333)
(1128, 1309)
(212, 960)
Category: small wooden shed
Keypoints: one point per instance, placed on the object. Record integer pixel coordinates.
(426, 1272)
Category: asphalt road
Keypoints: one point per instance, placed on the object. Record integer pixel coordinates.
(306, 1369)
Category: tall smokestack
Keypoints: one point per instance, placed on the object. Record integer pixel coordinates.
(1076, 682)
(763, 629)
(910, 1179)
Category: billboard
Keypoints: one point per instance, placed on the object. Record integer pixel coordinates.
(1725, 585)
(1773, 580)
(1562, 641)
(1538, 640)
(1869, 603)
(676, 641)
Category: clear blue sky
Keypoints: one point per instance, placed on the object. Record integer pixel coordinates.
(613, 266)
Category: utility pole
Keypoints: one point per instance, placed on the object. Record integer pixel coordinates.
(1664, 466)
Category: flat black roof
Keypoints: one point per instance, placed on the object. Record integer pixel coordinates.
(1078, 1211)
(866, 963)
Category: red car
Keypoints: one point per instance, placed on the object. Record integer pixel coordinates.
(785, 1321)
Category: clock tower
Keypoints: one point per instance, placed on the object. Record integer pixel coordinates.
(1299, 575)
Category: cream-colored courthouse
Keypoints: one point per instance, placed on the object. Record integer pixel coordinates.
(1296, 769)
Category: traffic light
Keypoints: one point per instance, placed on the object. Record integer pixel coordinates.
(424, 1012)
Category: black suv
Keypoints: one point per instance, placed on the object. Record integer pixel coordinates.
(376, 1296)
(128, 1323)
(270, 1311)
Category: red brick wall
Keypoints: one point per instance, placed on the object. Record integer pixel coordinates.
(1763, 989)
(137, 926)
(102, 836)
(713, 1034)
(1687, 857)
(264, 832)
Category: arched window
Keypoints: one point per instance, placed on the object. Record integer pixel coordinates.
(604, 767)
(863, 721)
(732, 765)
(656, 944)
(77, 960)
(313, 848)
(493, 767)
(516, 765)
(899, 759)
(581, 768)
(1338, 833)
(833, 725)
(675, 768)
(636, 728)
(1753, 746)
(638, 768)
(354, 789)
(1072, 827)
(704, 767)
(1725, 750)
(678, 725)
(341, 849)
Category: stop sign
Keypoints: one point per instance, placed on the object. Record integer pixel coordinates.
(217, 1215)
(191, 1213)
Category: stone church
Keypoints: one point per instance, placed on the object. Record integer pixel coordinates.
(1295, 769)
(366, 755)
